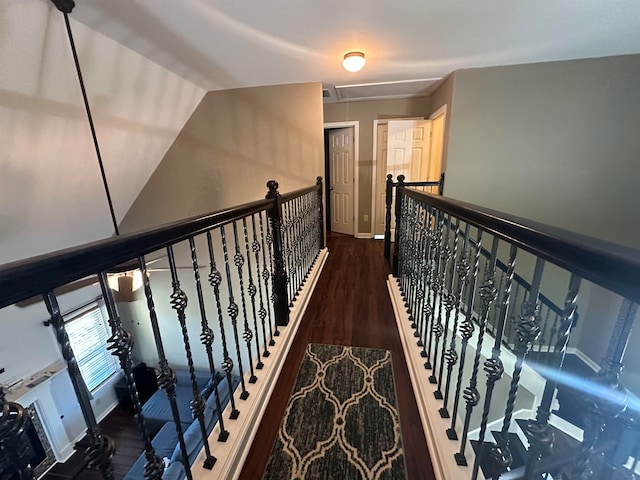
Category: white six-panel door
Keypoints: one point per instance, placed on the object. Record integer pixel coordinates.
(403, 149)
(341, 152)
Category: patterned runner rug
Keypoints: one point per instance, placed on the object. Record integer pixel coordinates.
(341, 421)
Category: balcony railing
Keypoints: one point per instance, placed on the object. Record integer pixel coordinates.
(469, 324)
(259, 261)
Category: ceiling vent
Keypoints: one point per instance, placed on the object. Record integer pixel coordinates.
(384, 90)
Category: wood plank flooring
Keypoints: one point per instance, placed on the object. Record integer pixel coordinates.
(350, 306)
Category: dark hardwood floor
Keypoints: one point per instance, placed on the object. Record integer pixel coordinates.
(350, 306)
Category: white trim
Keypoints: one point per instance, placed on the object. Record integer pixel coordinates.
(364, 235)
(233, 453)
(392, 82)
(583, 356)
(356, 166)
(441, 111)
(374, 166)
(441, 450)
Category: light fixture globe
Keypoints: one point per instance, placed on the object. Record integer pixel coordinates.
(353, 61)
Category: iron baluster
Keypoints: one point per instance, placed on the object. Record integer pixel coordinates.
(179, 304)
(466, 331)
(528, 330)
(451, 356)
(398, 212)
(438, 293)
(15, 447)
(288, 241)
(413, 268)
(101, 448)
(428, 312)
(247, 334)
(252, 290)
(422, 284)
(488, 293)
(538, 431)
(207, 336)
(262, 312)
(167, 377)
(602, 409)
(233, 311)
(266, 275)
(120, 344)
(499, 453)
(450, 299)
(215, 280)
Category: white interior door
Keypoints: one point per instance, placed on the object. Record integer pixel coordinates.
(341, 151)
(403, 149)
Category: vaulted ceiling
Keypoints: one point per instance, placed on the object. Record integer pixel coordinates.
(219, 44)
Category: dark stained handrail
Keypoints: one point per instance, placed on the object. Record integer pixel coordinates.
(26, 278)
(612, 266)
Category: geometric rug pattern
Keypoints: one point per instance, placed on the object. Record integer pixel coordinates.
(341, 421)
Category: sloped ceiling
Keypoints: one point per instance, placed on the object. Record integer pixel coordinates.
(220, 44)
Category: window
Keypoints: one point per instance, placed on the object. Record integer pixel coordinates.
(88, 334)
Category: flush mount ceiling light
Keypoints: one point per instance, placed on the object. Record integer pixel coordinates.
(353, 61)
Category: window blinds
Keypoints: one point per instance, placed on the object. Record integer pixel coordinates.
(88, 336)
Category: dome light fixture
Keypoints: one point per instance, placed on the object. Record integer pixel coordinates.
(353, 61)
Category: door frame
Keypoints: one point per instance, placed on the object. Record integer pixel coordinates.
(374, 170)
(356, 167)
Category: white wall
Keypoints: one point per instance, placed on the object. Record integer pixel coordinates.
(51, 193)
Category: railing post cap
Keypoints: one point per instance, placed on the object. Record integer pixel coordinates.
(401, 179)
(318, 180)
(389, 177)
(272, 185)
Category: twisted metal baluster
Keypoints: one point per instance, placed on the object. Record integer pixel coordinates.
(179, 304)
(215, 280)
(15, 446)
(207, 337)
(443, 254)
(299, 243)
(422, 284)
(545, 324)
(101, 447)
(273, 297)
(488, 293)
(120, 344)
(287, 251)
(466, 331)
(247, 334)
(252, 290)
(266, 275)
(602, 409)
(167, 377)
(528, 329)
(538, 431)
(233, 311)
(554, 330)
(434, 262)
(428, 312)
(451, 356)
(450, 298)
(500, 454)
(262, 312)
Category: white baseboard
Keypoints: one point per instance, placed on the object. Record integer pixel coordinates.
(232, 454)
(441, 449)
(583, 356)
(364, 235)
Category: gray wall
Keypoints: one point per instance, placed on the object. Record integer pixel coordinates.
(529, 139)
(235, 141)
(557, 143)
(366, 112)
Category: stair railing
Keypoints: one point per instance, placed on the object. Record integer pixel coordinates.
(259, 257)
(445, 293)
(390, 185)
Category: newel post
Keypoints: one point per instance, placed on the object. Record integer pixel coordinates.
(387, 217)
(441, 185)
(396, 248)
(279, 275)
(320, 213)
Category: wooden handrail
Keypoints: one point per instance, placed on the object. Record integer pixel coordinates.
(612, 266)
(33, 276)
